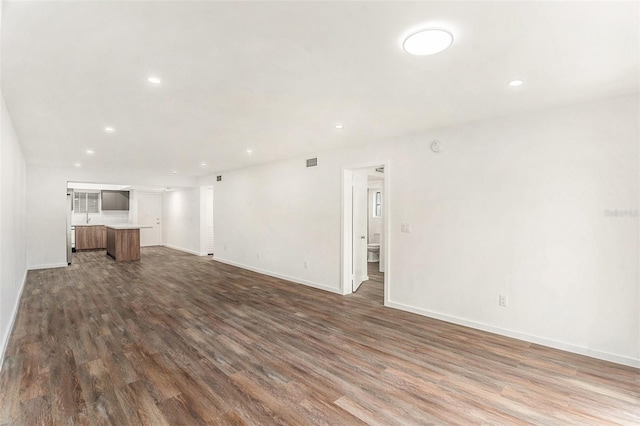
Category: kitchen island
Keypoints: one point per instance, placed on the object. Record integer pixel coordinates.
(123, 241)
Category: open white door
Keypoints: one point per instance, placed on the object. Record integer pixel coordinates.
(150, 214)
(359, 246)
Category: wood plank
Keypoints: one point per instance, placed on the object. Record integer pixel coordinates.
(181, 339)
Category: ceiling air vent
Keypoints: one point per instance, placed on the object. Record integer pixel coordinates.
(312, 162)
(219, 178)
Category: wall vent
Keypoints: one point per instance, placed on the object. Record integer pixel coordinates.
(311, 162)
(219, 178)
(380, 169)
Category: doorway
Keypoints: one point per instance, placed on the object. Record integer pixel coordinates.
(365, 200)
(150, 217)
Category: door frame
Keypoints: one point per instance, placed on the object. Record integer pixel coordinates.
(346, 227)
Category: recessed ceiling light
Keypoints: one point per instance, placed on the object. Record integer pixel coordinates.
(77, 164)
(154, 80)
(174, 172)
(516, 83)
(203, 164)
(109, 129)
(339, 126)
(249, 151)
(427, 42)
(89, 152)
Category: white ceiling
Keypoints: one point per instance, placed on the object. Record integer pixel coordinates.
(276, 76)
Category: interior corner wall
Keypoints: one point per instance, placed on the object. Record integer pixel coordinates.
(13, 264)
(541, 207)
(181, 215)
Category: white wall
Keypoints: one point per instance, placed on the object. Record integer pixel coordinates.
(181, 213)
(512, 206)
(286, 214)
(46, 206)
(516, 207)
(13, 255)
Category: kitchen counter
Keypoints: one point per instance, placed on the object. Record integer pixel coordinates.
(123, 241)
(127, 226)
(114, 225)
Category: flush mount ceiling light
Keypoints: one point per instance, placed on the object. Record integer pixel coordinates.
(77, 164)
(339, 126)
(154, 80)
(427, 42)
(89, 152)
(109, 129)
(174, 172)
(249, 151)
(516, 83)
(203, 164)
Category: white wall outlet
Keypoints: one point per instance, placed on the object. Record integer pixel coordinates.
(405, 227)
(306, 265)
(503, 300)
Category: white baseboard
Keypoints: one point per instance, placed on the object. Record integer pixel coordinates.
(606, 356)
(14, 314)
(197, 253)
(47, 266)
(284, 277)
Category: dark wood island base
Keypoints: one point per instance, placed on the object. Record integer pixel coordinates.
(123, 244)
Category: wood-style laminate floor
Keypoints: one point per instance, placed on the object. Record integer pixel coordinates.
(184, 340)
(373, 271)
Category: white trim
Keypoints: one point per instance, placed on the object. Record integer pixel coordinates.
(184, 250)
(47, 266)
(283, 277)
(13, 320)
(568, 347)
(385, 238)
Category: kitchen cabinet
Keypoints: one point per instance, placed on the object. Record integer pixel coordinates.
(123, 242)
(91, 237)
(115, 200)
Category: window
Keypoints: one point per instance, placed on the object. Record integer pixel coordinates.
(377, 204)
(86, 202)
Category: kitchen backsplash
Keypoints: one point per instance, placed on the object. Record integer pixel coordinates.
(106, 217)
